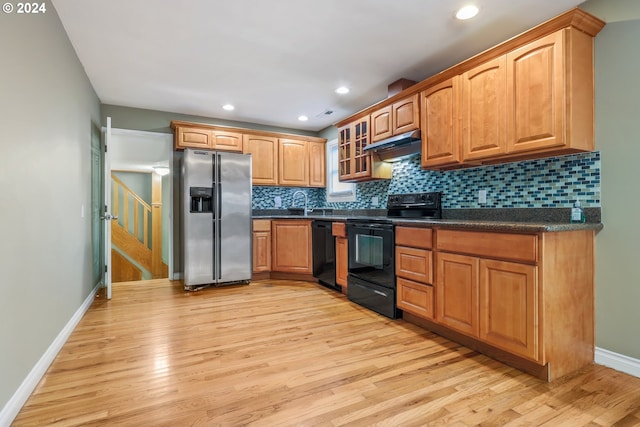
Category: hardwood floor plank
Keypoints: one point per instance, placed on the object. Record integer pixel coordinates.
(293, 353)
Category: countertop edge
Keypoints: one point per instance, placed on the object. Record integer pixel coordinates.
(532, 227)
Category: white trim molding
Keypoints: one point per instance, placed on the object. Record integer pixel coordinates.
(19, 398)
(617, 361)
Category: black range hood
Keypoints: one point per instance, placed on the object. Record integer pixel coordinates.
(397, 147)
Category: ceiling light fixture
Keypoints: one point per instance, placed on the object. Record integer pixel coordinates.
(303, 118)
(161, 170)
(342, 90)
(467, 12)
(228, 107)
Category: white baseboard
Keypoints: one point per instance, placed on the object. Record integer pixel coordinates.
(617, 361)
(13, 406)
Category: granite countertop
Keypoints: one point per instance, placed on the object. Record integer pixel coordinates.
(514, 220)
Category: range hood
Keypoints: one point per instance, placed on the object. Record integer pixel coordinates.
(397, 147)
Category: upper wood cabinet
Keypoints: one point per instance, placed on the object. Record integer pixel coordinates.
(276, 159)
(227, 141)
(197, 137)
(440, 124)
(484, 110)
(529, 97)
(193, 138)
(399, 117)
(406, 114)
(550, 93)
(264, 158)
(381, 124)
(354, 163)
(317, 164)
(293, 162)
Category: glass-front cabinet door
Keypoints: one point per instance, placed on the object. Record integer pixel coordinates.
(344, 153)
(355, 164)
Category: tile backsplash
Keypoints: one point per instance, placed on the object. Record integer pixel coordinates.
(554, 182)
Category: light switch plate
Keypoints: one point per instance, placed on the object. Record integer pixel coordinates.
(375, 201)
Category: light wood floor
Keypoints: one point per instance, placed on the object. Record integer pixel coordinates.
(294, 353)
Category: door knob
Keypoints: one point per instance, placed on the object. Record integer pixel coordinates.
(108, 217)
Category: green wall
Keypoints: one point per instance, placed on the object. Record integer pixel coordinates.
(51, 122)
(618, 245)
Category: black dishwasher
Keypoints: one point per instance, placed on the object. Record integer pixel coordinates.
(324, 254)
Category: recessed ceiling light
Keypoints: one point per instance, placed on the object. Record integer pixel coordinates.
(342, 90)
(228, 107)
(467, 12)
(303, 118)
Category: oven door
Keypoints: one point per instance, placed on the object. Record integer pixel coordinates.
(371, 253)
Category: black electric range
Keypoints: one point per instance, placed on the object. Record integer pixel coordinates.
(372, 280)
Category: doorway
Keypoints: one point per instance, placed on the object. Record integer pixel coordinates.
(141, 189)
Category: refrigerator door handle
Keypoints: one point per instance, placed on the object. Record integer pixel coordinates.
(218, 218)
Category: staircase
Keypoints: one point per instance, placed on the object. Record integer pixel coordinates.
(137, 234)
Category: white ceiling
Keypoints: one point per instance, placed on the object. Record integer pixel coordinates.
(277, 59)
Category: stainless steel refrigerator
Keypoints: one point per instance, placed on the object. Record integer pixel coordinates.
(216, 232)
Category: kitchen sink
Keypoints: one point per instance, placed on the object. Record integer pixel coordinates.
(316, 211)
(296, 211)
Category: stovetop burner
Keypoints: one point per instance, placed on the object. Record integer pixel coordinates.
(415, 205)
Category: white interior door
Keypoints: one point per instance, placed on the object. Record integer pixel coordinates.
(107, 217)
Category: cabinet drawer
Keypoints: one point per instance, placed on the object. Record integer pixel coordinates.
(415, 298)
(261, 225)
(517, 247)
(414, 237)
(339, 229)
(414, 264)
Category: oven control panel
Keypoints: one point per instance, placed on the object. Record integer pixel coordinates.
(423, 200)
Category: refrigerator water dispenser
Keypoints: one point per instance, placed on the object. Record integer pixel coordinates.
(201, 199)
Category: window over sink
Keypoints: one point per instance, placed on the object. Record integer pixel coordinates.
(337, 191)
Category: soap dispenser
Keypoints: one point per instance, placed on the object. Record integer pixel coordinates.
(577, 213)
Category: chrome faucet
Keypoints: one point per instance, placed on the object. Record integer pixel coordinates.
(293, 198)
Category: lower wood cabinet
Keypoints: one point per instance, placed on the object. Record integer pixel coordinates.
(457, 292)
(291, 246)
(339, 231)
(526, 299)
(414, 297)
(495, 301)
(508, 309)
(414, 271)
(261, 245)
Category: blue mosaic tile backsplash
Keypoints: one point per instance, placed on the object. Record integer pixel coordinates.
(554, 182)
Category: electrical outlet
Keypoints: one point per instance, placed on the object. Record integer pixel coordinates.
(277, 201)
(375, 201)
(482, 197)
